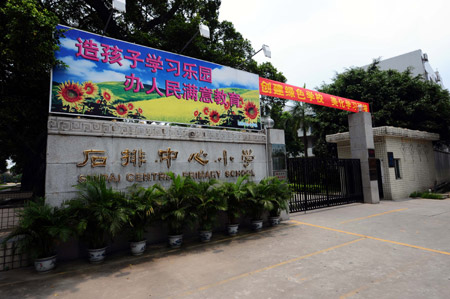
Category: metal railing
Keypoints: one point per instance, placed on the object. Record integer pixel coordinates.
(319, 183)
(10, 257)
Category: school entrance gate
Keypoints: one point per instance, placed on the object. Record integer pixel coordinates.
(320, 183)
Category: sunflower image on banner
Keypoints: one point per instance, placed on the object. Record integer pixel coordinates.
(110, 78)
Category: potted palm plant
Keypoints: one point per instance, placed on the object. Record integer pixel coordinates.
(280, 194)
(258, 201)
(177, 209)
(141, 206)
(100, 215)
(235, 195)
(40, 229)
(208, 201)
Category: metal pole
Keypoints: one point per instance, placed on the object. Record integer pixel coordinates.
(107, 22)
(250, 57)
(189, 41)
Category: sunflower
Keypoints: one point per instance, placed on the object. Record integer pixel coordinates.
(206, 110)
(121, 109)
(90, 89)
(251, 111)
(70, 93)
(130, 106)
(107, 94)
(214, 117)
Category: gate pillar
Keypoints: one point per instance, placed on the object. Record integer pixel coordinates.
(276, 158)
(361, 142)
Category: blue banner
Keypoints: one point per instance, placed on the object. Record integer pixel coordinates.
(111, 78)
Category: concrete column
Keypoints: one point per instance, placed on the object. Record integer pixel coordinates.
(276, 142)
(361, 140)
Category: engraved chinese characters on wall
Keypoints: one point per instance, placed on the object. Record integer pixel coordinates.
(137, 158)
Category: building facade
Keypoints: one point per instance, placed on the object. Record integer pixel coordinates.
(406, 160)
(416, 61)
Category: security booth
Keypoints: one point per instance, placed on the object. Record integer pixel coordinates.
(405, 160)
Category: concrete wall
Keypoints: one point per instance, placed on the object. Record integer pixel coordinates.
(199, 152)
(417, 164)
(414, 60)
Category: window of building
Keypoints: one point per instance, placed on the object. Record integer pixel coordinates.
(397, 169)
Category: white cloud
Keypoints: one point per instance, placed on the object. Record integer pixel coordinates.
(78, 67)
(231, 77)
(86, 70)
(69, 43)
(105, 76)
(125, 65)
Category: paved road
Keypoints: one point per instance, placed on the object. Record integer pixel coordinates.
(390, 250)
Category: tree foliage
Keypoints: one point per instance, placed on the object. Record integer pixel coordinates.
(301, 114)
(271, 106)
(28, 42)
(396, 99)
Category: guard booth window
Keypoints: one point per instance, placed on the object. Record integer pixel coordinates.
(397, 169)
(279, 156)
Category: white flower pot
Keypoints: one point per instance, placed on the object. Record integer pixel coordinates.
(97, 256)
(205, 235)
(257, 225)
(274, 221)
(175, 241)
(232, 229)
(45, 264)
(138, 248)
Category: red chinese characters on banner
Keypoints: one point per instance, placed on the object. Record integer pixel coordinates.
(89, 50)
(285, 91)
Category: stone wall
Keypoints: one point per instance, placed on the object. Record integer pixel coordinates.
(128, 153)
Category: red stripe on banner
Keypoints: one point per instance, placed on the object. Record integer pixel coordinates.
(290, 92)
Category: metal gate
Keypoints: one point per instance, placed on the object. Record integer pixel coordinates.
(320, 183)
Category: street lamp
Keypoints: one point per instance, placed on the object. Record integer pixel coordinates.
(267, 122)
(119, 5)
(265, 49)
(203, 30)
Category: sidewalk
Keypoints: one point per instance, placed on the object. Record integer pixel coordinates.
(390, 250)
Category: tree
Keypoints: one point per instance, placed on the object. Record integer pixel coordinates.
(27, 45)
(29, 40)
(293, 144)
(162, 24)
(302, 119)
(270, 105)
(396, 99)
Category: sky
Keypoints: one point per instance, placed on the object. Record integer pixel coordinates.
(311, 41)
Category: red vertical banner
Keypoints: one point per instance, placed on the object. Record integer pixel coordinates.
(290, 92)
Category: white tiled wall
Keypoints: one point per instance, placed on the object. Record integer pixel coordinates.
(417, 167)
